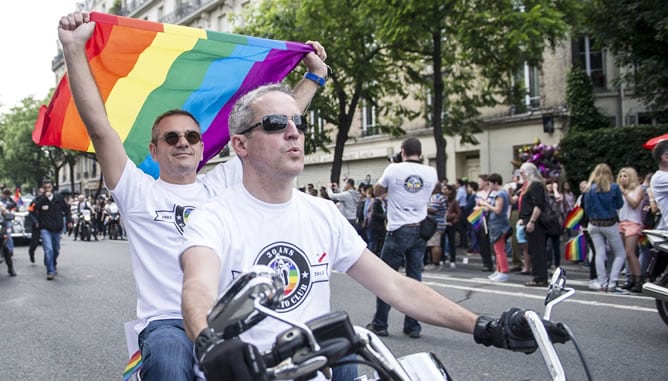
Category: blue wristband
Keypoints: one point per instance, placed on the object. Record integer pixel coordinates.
(315, 78)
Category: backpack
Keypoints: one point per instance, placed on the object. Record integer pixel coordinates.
(551, 217)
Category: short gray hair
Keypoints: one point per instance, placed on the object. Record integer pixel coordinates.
(243, 115)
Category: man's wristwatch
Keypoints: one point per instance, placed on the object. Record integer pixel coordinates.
(203, 341)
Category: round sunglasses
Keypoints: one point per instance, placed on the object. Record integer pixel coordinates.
(172, 138)
(276, 123)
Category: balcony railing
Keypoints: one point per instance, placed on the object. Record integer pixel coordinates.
(132, 6)
(185, 10)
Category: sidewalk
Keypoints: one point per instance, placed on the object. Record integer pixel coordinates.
(469, 266)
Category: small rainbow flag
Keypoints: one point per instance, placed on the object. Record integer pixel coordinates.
(576, 248)
(134, 364)
(144, 68)
(17, 197)
(573, 218)
(643, 240)
(475, 218)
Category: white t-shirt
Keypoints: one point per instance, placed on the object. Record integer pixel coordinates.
(659, 184)
(627, 213)
(304, 239)
(409, 186)
(154, 214)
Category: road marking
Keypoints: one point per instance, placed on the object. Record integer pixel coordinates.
(531, 296)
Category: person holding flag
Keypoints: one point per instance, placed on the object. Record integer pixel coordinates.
(155, 211)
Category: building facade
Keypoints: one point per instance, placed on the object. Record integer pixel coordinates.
(504, 129)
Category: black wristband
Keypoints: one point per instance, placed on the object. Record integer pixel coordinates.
(480, 332)
(203, 341)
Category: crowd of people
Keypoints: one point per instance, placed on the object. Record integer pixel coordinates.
(509, 235)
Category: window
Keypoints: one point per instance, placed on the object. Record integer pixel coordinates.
(369, 126)
(529, 79)
(591, 60)
(315, 134)
(430, 102)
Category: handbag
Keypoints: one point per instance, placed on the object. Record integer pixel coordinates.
(428, 227)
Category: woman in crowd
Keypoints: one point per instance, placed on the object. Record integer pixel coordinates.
(553, 257)
(532, 203)
(568, 201)
(452, 216)
(499, 225)
(630, 223)
(436, 208)
(601, 201)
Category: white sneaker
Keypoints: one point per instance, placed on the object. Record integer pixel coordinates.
(500, 277)
(453, 265)
(594, 284)
(493, 275)
(430, 267)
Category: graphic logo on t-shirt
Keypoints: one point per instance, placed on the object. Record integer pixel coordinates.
(292, 265)
(413, 184)
(177, 216)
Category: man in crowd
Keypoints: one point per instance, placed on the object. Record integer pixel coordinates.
(347, 200)
(259, 228)
(659, 182)
(51, 210)
(409, 185)
(154, 212)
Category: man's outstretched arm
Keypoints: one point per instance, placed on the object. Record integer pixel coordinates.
(73, 31)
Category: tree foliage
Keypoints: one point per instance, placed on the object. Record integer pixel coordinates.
(636, 32)
(583, 114)
(464, 53)
(473, 50)
(361, 69)
(24, 162)
(581, 150)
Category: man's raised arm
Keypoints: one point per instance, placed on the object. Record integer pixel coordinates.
(307, 87)
(73, 31)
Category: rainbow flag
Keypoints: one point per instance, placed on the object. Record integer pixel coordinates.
(475, 218)
(144, 68)
(643, 240)
(134, 364)
(576, 248)
(573, 218)
(17, 197)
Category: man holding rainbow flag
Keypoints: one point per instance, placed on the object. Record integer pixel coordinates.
(155, 211)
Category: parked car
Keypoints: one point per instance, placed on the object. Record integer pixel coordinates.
(22, 227)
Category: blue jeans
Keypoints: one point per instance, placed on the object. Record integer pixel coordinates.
(345, 372)
(51, 246)
(403, 244)
(166, 351)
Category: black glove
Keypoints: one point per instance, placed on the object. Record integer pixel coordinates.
(223, 360)
(511, 331)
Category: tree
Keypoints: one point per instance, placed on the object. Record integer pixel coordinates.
(472, 50)
(362, 69)
(583, 114)
(635, 31)
(24, 162)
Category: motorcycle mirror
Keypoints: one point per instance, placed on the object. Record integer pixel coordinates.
(234, 312)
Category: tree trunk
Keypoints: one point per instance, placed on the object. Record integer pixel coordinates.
(437, 108)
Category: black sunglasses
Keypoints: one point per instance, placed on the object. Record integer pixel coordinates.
(172, 138)
(275, 123)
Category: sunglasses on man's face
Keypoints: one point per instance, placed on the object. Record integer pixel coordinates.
(276, 123)
(172, 138)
